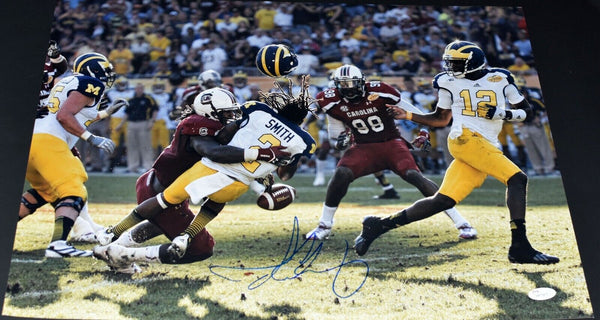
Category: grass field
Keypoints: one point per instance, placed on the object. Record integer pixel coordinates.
(262, 269)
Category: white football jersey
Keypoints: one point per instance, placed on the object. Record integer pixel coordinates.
(85, 85)
(262, 127)
(463, 96)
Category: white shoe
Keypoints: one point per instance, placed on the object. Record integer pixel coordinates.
(321, 232)
(319, 180)
(105, 236)
(120, 259)
(467, 232)
(63, 249)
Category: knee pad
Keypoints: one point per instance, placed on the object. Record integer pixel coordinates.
(33, 206)
(77, 203)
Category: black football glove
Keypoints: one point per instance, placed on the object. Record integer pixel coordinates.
(53, 50)
(343, 141)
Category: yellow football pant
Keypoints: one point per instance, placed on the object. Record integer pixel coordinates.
(53, 171)
(474, 159)
(176, 193)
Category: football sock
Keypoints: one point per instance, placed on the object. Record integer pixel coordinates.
(320, 166)
(129, 221)
(62, 227)
(327, 214)
(518, 234)
(85, 215)
(200, 221)
(146, 254)
(456, 217)
(396, 220)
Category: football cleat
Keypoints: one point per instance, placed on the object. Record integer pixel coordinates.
(63, 249)
(105, 236)
(467, 232)
(530, 256)
(88, 237)
(120, 259)
(321, 232)
(388, 194)
(126, 240)
(372, 228)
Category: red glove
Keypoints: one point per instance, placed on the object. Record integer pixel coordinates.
(275, 155)
(422, 141)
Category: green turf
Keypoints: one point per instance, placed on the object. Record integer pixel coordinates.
(261, 269)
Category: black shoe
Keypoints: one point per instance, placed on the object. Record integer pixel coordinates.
(530, 256)
(372, 228)
(388, 194)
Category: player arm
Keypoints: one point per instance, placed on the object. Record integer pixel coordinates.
(66, 114)
(521, 111)
(211, 148)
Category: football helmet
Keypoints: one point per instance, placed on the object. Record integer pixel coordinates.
(462, 57)
(276, 60)
(349, 81)
(215, 103)
(95, 65)
(240, 79)
(209, 79)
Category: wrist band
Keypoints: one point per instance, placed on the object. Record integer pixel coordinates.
(85, 135)
(408, 115)
(103, 114)
(250, 154)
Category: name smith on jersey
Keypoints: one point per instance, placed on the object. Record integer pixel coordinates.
(280, 130)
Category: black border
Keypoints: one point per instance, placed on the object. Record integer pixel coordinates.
(565, 42)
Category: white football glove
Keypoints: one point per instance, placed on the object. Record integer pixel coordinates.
(179, 244)
(102, 143)
(117, 104)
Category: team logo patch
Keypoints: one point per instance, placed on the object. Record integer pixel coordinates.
(373, 97)
(344, 108)
(203, 131)
(494, 79)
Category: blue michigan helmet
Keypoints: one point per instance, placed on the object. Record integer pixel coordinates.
(95, 65)
(462, 57)
(276, 60)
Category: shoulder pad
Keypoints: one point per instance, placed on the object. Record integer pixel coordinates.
(439, 77)
(195, 125)
(251, 106)
(90, 87)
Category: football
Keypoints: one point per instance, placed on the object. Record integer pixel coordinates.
(280, 196)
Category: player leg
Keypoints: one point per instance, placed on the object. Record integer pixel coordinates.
(31, 200)
(321, 161)
(85, 228)
(402, 163)
(66, 183)
(356, 162)
(460, 179)
(388, 188)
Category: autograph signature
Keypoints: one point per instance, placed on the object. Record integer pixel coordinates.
(275, 272)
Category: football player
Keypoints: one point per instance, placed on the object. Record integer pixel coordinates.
(206, 181)
(357, 108)
(120, 90)
(55, 66)
(474, 96)
(72, 106)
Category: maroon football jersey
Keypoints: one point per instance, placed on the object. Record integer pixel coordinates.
(179, 155)
(51, 72)
(367, 118)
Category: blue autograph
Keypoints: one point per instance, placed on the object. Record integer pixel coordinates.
(304, 264)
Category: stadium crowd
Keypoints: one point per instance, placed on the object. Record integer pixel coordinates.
(160, 37)
(176, 40)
